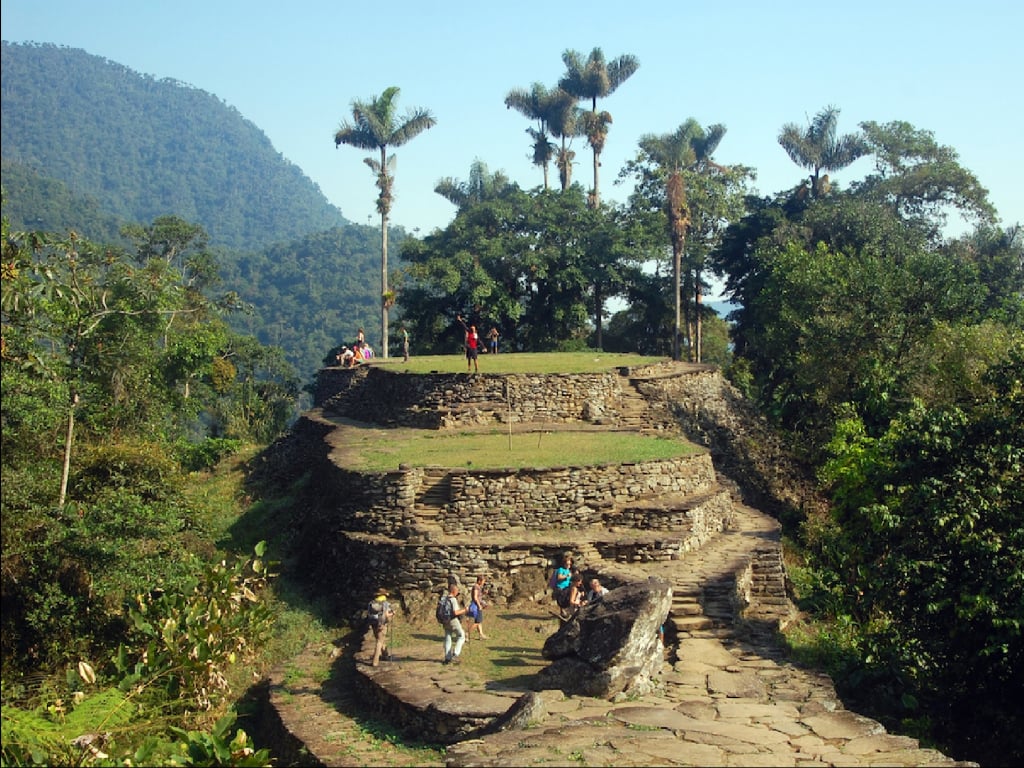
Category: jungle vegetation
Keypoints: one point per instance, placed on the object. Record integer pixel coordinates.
(140, 353)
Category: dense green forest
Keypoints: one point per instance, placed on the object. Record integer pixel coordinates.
(139, 353)
(144, 148)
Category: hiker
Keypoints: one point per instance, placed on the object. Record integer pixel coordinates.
(597, 591)
(472, 346)
(347, 358)
(576, 598)
(477, 605)
(560, 581)
(448, 613)
(380, 613)
(492, 340)
(405, 345)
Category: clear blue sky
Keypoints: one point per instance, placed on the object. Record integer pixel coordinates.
(293, 69)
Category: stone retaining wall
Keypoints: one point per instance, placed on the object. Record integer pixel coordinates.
(565, 497)
(448, 400)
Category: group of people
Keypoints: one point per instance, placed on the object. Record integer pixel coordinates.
(350, 356)
(472, 344)
(380, 615)
(568, 589)
(454, 631)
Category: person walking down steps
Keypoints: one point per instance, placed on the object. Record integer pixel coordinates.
(447, 614)
(380, 614)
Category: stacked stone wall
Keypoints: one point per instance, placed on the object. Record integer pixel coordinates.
(445, 400)
(565, 497)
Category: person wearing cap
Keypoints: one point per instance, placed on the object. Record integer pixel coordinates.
(380, 613)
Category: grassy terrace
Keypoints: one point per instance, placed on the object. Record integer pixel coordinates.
(370, 448)
(521, 362)
(374, 449)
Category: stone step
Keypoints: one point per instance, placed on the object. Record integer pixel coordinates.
(691, 623)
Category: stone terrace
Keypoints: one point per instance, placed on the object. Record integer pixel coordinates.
(728, 696)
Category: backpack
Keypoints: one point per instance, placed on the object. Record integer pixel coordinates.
(444, 612)
(375, 612)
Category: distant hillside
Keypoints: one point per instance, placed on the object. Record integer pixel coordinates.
(133, 148)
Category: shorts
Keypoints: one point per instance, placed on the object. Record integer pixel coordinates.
(471, 353)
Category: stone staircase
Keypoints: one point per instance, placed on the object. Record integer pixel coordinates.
(434, 495)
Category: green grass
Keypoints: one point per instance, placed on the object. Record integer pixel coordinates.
(522, 362)
(378, 450)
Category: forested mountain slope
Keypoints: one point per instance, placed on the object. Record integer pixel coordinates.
(143, 148)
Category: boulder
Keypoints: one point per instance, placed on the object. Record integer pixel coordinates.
(611, 647)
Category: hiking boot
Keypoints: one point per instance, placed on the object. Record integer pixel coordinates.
(456, 660)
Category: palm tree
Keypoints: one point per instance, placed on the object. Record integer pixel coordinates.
(688, 148)
(534, 103)
(818, 148)
(482, 185)
(376, 126)
(590, 80)
(556, 115)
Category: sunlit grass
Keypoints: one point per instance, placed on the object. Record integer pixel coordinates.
(522, 362)
(500, 450)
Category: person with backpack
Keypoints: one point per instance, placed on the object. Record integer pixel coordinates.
(379, 615)
(447, 614)
(560, 580)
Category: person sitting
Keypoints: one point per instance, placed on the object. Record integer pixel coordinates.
(597, 591)
(347, 358)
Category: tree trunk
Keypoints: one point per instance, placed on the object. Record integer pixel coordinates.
(66, 468)
(383, 285)
(698, 321)
(677, 255)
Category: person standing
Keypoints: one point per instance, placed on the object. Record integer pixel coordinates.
(454, 634)
(477, 605)
(472, 346)
(492, 340)
(561, 578)
(380, 613)
(576, 599)
(405, 345)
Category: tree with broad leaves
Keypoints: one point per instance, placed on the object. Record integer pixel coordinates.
(376, 125)
(590, 80)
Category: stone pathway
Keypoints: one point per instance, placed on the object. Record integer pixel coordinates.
(731, 698)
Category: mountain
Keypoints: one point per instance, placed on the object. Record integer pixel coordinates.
(129, 147)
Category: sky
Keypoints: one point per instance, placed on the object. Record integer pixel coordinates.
(293, 69)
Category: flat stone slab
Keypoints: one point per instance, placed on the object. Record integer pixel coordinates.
(736, 685)
(653, 717)
(843, 725)
(473, 705)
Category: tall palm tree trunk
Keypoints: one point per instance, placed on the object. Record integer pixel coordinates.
(384, 285)
(677, 258)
